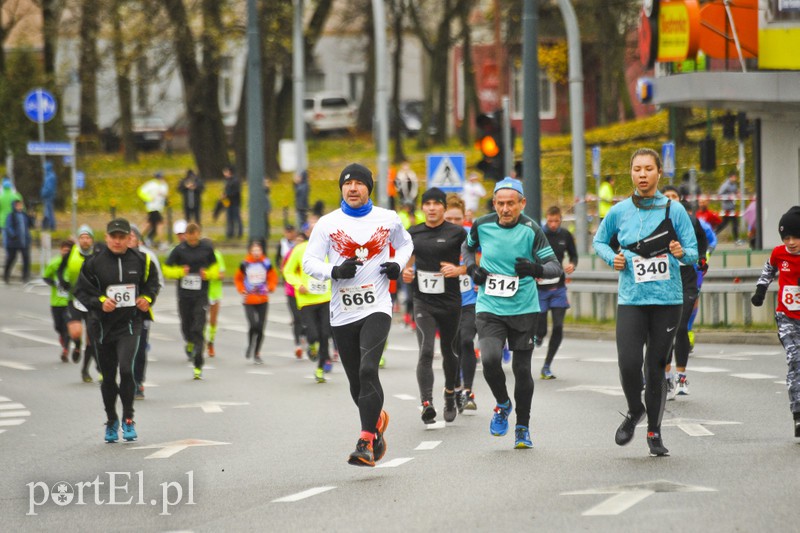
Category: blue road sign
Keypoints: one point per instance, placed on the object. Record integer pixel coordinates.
(668, 159)
(49, 148)
(80, 180)
(40, 106)
(446, 171)
(596, 161)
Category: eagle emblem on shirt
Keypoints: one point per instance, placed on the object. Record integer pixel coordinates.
(347, 247)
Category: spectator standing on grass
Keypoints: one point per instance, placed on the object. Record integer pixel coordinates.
(232, 201)
(7, 196)
(301, 191)
(48, 194)
(17, 239)
(729, 190)
(191, 188)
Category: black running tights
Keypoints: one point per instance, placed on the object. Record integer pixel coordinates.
(112, 355)
(360, 347)
(644, 335)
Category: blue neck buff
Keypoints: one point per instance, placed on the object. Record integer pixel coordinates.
(359, 212)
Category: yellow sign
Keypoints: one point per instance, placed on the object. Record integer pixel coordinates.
(678, 30)
(777, 48)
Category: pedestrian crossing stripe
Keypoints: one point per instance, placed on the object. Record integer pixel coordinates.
(446, 171)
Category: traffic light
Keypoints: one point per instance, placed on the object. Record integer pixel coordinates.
(708, 154)
(729, 126)
(743, 126)
(490, 144)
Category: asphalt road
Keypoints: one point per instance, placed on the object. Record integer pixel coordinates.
(264, 448)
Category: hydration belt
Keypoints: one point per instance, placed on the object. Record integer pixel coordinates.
(658, 241)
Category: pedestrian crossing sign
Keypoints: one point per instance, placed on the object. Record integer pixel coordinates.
(446, 171)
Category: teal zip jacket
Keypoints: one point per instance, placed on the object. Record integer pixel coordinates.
(631, 224)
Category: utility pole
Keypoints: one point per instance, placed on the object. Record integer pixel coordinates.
(530, 128)
(255, 129)
(381, 123)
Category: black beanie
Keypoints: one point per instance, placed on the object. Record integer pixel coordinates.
(435, 194)
(790, 223)
(354, 171)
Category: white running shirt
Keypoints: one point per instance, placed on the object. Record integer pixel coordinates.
(339, 237)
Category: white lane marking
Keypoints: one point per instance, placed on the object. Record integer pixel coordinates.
(16, 366)
(401, 349)
(16, 332)
(12, 421)
(210, 406)
(303, 495)
(162, 337)
(13, 405)
(754, 375)
(11, 414)
(626, 496)
(610, 390)
(439, 424)
(780, 382)
(726, 357)
(707, 369)
(395, 462)
(260, 372)
(599, 360)
(31, 316)
(151, 385)
(4, 399)
(2, 430)
(696, 427)
(428, 444)
(168, 449)
(406, 397)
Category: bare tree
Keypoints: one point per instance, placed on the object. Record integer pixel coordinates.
(88, 65)
(397, 18)
(471, 102)
(122, 67)
(438, 48)
(201, 81)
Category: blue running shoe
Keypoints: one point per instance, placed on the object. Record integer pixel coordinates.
(128, 431)
(112, 431)
(546, 373)
(506, 354)
(499, 424)
(522, 438)
(327, 367)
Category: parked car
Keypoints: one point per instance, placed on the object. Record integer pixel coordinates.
(323, 112)
(411, 118)
(148, 133)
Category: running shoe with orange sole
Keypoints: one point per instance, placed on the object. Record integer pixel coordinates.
(211, 352)
(363, 456)
(379, 444)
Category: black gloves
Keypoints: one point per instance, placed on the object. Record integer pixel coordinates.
(478, 274)
(391, 269)
(758, 297)
(523, 267)
(346, 270)
(702, 266)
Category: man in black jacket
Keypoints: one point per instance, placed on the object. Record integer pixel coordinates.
(117, 285)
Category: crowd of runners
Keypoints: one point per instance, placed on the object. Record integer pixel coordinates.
(495, 279)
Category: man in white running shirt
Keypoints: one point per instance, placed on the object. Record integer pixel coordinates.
(356, 239)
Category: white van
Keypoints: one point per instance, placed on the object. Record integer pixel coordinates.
(328, 112)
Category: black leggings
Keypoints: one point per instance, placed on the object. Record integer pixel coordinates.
(297, 321)
(428, 319)
(193, 324)
(60, 325)
(466, 342)
(556, 336)
(140, 360)
(112, 355)
(317, 321)
(360, 347)
(256, 318)
(682, 345)
(652, 326)
(492, 360)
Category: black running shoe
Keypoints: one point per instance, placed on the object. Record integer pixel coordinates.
(428, 413)
(76, 356)
(657, 448)
(363, 455)
(797, 425)
(462, 397)
(627, 428)
(450, 407)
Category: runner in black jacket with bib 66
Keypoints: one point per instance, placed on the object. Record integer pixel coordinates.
(117, 285)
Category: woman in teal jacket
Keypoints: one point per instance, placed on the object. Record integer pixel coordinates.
(656, 237)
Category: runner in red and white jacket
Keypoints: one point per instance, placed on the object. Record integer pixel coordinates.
(784, 264)
(356, 239)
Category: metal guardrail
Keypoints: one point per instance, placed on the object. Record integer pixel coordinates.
(724, 297)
